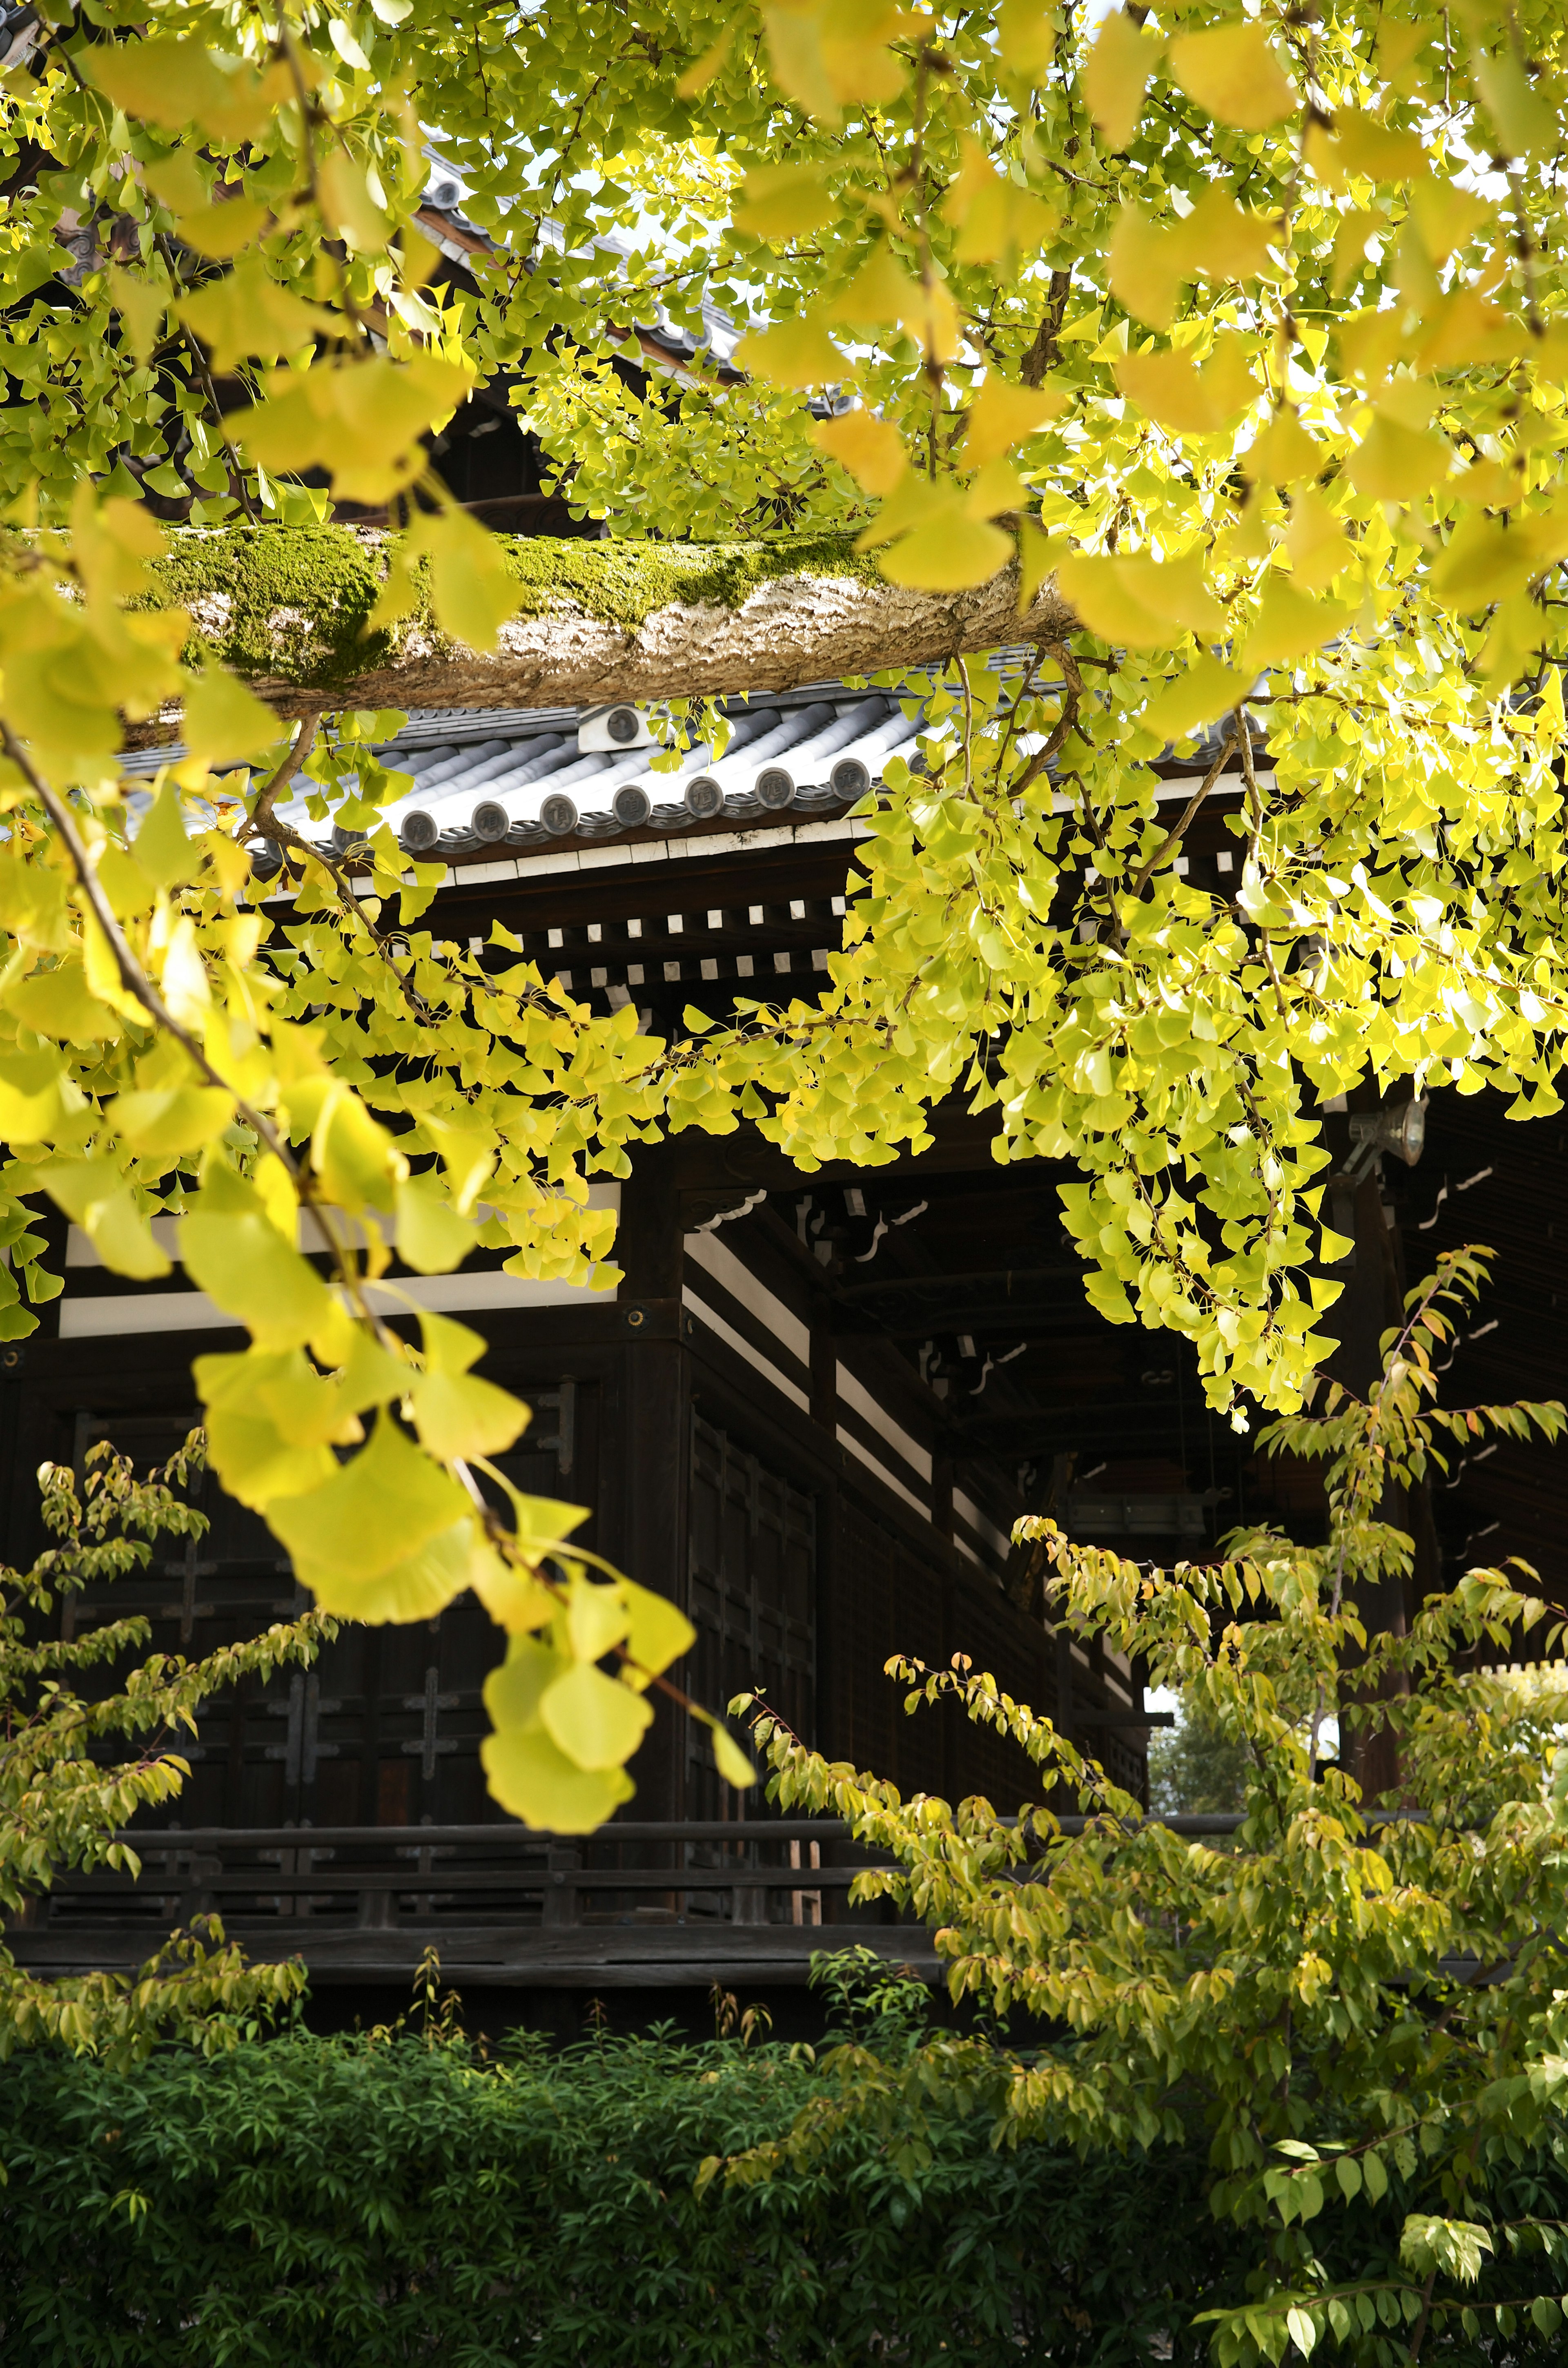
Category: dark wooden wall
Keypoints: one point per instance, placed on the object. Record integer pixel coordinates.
(803, 1574)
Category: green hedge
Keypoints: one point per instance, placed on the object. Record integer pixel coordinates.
(318, 2202)
(353, 2202)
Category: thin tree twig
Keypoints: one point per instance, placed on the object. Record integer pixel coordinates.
(1174, 837)
(282, 835)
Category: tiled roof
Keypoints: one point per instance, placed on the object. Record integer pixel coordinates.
(482, 780)
(527, 782)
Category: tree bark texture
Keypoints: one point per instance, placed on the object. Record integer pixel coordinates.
(288, 609)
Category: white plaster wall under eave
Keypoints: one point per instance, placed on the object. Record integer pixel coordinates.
(88, 1314)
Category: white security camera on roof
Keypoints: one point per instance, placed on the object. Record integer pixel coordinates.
(616, 729)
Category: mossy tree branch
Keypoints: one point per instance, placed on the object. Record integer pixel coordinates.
(288, 609)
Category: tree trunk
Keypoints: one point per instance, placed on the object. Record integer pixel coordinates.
(288, 609)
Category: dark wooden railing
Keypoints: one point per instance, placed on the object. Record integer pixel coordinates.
(342, 1895)
(638, 1904)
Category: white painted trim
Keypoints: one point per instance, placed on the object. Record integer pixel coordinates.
(712, 843)
(847, 1438)
(96, 1314)
(658, 851)
(79, 1249)
(743, 1348)
(980, 1523)
(448, 1292)
(738, 1279)
(309, 1237)
(855, 1393)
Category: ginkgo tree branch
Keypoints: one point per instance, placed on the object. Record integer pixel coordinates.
(133, 978)
(136, 983)
(288, 609)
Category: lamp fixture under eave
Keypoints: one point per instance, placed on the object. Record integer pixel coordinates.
(1400, 1129)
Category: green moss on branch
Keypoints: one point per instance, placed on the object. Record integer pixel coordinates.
(292, 604)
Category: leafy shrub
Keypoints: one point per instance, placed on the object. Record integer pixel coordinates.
(374, 2201)
(356, 2202)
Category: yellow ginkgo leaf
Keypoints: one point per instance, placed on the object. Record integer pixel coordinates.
(783, 201)
(1466, 327)
(95, 1196)
(835, 54)
(659, 1632)
(1526, 124)
(1026, 36)
(375, 1511)
(1446, 216)
(1360, 145)
(458, 1416)
(532, 1778)
(1116, 76)
(59, 1003)
(1315, 540)
(995, 216)
(514, 1601)
(1488, 559)
(416, 1586)
(1208, 689)
(244, 312)
(473, 590)
(346, 204)
(935, 323)
(792, 353)
(881, 292)
(1141, 601)
(1288, 624)
(861, 69)
(1396, 463)
(1147, 263)
(1190, 399)
(431, 1236)
(595, 1720)
(997, 488)
(1224, 241)
(701, 71)
(728, 1757)
(143, 305)
(1002, 415)
(162, 1125)
(220, 231)
(1370, 341)
(162, 80)
(360, 418)
(950, 551)
(243, 1262)
(514, 1692)
(1283, 451)
(224, 718)
(32, 903)
(871, 449)
(1234, 72)
(161, 849)
(1492, 484)
(254, 1460)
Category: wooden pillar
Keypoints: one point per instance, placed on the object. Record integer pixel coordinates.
(651, 1442)
(1370, 1304)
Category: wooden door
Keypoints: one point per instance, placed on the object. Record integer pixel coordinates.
(751, 1595)
(385, 1727)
